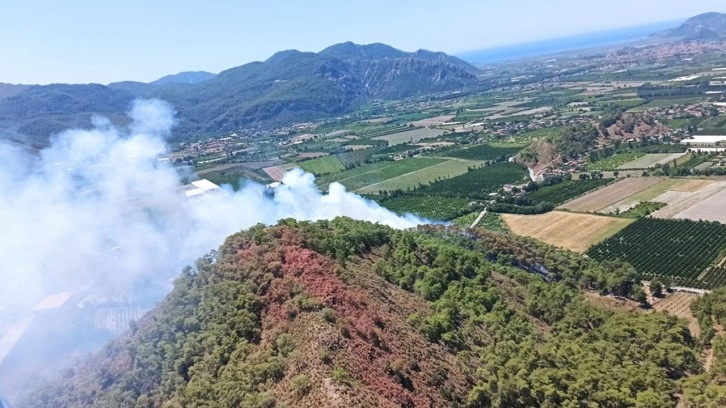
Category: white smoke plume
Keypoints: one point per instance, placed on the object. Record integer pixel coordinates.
(98, 206)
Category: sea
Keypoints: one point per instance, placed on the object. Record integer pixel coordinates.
(562, 44)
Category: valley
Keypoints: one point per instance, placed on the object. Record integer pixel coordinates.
(382, 228)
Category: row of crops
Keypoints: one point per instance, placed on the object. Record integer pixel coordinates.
(566, 190)
(681, 250)
(482, 152)
(355, 158)
(478, 183)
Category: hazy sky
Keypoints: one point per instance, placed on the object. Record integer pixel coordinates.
(111, 40)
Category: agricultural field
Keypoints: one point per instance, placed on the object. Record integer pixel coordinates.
(466, 220)
(401, 148)
(678, 249)
(435, 121)
(576, 232)
(543, 133)
(312, 155)
(432, 208)
(478, 183)
(322, 165)
(647, 195)
(615, 161)
(679, 304)
(326, 179)
(376, 173)
(421, 177)
(355, 157)
(660, 103)
(410, 136)
(640, 210)
(705, 203)
(651, 160)
(277, 172)
(491, 221)
(564, 191)
(612, 194)
(484, 152)
(236, 176)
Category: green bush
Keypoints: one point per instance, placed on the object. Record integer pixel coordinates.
(342, 377)
(329, 315)
(301, 385)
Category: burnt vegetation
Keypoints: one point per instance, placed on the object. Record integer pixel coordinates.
(351, 313)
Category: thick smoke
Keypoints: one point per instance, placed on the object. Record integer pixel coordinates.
(99, 207)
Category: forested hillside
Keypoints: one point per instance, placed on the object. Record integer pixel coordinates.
(346, 313)
(291, 86)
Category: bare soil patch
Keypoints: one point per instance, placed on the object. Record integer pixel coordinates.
(712, 208)
(437, 121)
(691, 186)
(276, 172)
(679, 304)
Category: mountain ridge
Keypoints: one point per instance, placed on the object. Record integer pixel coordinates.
(290, 86)
(349, 313)
(706, 26)
(186, 77)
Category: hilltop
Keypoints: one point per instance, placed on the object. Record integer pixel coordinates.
(707, 26)
(346, 313)
(291, 86)
(189, 77)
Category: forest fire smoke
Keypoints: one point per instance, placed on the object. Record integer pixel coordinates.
(98, 205)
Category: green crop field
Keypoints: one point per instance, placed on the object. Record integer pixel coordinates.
(354, 172)
(678, 249)
(322, 165)
(355, 157)
(379, 172)
(421, 177)
(615, 161)
(492, 222)
(483, 152)
(479, 182)
(566, 190)
(433, 208)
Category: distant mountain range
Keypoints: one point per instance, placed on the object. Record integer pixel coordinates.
(189, 77)
(291, 86)
(708, 26)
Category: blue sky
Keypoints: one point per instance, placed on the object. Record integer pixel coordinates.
(111, 40)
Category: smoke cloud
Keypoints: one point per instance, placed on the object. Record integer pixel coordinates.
(99, 207)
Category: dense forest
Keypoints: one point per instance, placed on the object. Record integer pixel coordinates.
(347, 313)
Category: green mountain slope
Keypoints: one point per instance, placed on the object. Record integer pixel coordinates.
(346, 313)
(290, 86)
(707, 26)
